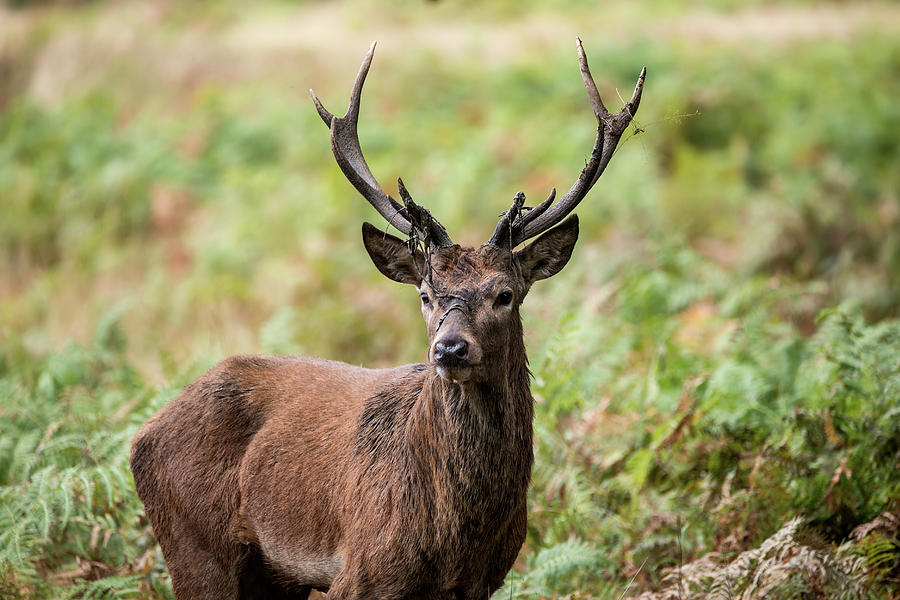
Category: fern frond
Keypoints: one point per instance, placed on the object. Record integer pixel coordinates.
(791, 563)
(553, 568)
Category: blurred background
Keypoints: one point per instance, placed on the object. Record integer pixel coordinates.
(717, 366)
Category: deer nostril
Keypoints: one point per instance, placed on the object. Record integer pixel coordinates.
(460, 350)
(451, 352)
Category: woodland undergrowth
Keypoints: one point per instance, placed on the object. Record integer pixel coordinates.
(717, 370)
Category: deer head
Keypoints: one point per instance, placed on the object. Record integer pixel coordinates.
(471, 296)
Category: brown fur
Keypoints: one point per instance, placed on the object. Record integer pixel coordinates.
(270, 476)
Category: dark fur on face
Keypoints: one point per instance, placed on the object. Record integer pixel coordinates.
(472, 295)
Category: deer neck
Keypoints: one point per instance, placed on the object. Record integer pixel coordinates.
(476, 437)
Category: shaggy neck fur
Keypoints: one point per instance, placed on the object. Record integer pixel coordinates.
(473, 441)
(457, 457)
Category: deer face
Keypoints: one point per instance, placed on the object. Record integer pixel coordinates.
(470, 301)
(471, 296)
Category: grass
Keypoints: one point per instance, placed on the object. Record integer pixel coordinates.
(719, 359)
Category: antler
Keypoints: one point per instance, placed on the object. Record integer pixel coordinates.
(410, 218)
(518, 223)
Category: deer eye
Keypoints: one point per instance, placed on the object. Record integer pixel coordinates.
(504, 298)
(425, 299)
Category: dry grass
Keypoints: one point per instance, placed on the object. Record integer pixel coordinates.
(790, 558)
(288, 43)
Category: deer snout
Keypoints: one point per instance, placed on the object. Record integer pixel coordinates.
(451, 352)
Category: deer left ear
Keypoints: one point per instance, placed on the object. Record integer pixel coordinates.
(547, 255)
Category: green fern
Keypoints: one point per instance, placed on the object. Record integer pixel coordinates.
(555, 571)
(67, 498)
(106, 588)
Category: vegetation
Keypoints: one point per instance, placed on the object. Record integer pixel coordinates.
(717, 370)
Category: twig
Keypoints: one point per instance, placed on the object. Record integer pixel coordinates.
(636, 573)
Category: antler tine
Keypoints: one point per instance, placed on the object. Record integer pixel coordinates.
(515, 217)
(502, 231)
(348, 154)
(610, 128)
(618, 123)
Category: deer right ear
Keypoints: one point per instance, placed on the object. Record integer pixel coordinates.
(391, 255)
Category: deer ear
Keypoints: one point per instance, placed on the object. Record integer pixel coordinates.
(547, 255)
(391, 255)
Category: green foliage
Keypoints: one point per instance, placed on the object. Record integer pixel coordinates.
(555, 569)
(718, 449)
(51, 209)
(68, 510)
(720, 357)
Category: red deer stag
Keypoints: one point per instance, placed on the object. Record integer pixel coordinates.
(270, 476)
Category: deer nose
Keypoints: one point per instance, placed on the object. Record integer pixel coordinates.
(451, 352)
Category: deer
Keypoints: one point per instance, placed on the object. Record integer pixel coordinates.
(271, 476)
